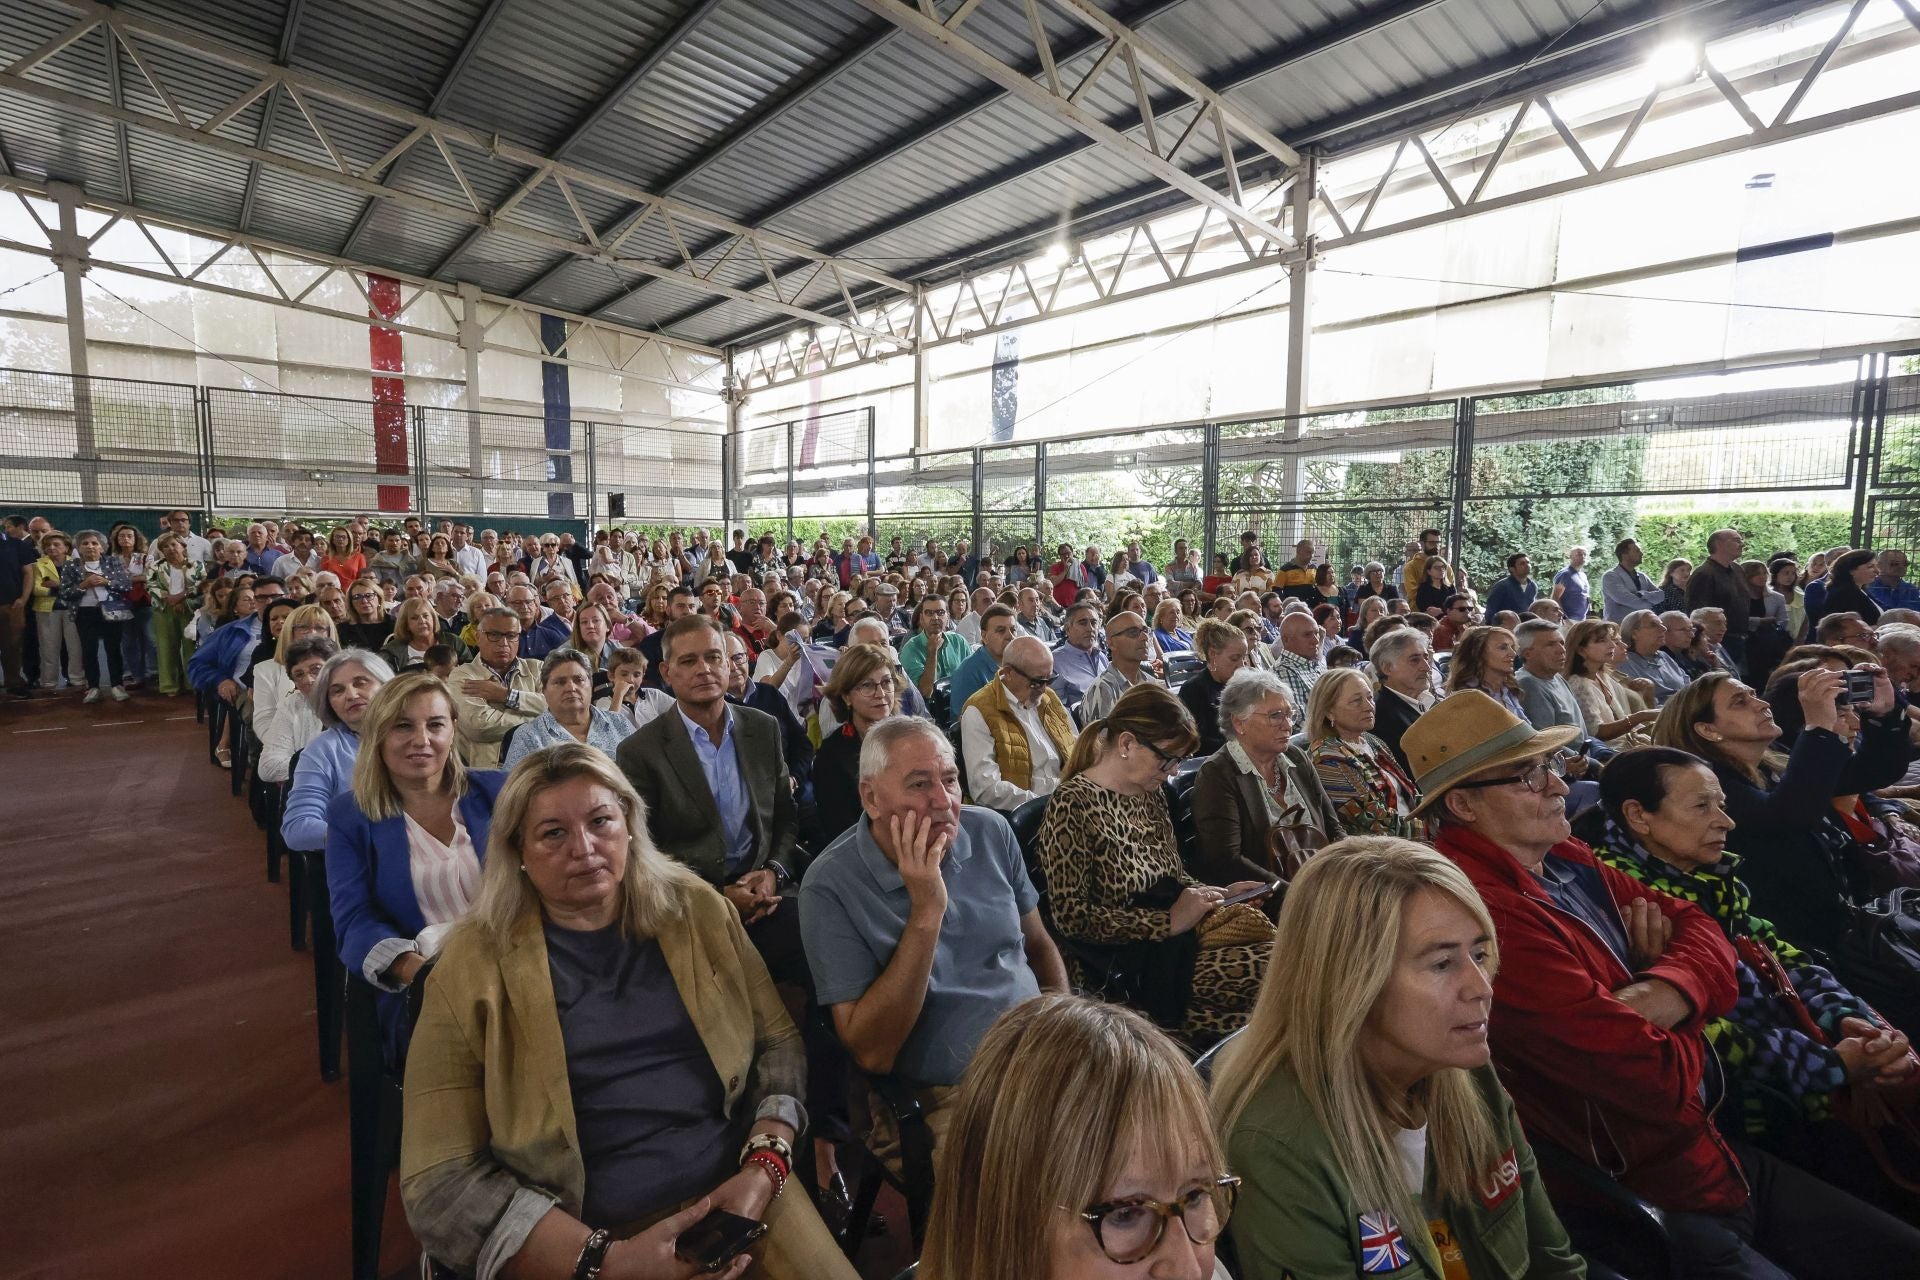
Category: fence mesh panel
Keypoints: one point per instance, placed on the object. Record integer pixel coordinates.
(529, 466)
(308, 455)
(665, 477)
(144, 449)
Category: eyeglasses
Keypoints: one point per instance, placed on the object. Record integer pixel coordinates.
(880, 688)
(1129, 633)
(500, 635)
(1535, 778)
(1168, 764)
(1130, 1230)
(1030, 679)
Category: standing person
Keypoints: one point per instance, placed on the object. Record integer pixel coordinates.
(1717, 583)
(1413, 571)
(1517, 591)
(1253, 574)
(1624, 588)
(1570, 588)
(17, 557)
(173, 584)
(1436, 586)
(94, 585)
(1784, 577)
(52, 617)
(301, 556)
(344, 559)
(1890, 588)
(1847, 581)
(136, 638)
(1361, 1105)
(1673, 586)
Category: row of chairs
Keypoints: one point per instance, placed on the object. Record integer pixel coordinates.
(344, 1004)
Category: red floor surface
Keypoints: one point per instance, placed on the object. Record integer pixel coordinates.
(161, 1111)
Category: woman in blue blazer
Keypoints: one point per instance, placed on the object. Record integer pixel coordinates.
(405, 842)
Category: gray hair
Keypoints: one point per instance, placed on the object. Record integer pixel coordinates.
(876, 748)
(1668, 618)
(91, 533)
(321, 705)
(1523, 634)
(1634, 621)
(1373, 566)
(869, 623)
(1247, 689)
(1700, 615)
(561, 657)
(1393, 644)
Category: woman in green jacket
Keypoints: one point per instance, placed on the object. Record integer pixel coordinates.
(1359, 1106)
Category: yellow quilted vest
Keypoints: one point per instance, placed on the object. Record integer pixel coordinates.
(1010, 750)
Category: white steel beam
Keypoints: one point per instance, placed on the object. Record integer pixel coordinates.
(1157, 154)
(584, 332)
(783, 360)
(449, 139)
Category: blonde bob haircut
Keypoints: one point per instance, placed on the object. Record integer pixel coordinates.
(1335, 949)
(653, 890)
(1062, 1096)
(305, 615)
(1327, 690)
(373, 788)
(403, 618)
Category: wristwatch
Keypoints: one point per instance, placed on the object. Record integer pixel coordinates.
(513, 699)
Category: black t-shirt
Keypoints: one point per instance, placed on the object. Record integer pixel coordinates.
(15, 555)
(647, 1103)
(741, 560)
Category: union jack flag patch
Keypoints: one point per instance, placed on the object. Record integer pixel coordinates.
(1382, 1247)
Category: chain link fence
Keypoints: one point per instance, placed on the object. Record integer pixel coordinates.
(98, 442)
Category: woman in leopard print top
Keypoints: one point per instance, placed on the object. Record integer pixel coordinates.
(1113, 873)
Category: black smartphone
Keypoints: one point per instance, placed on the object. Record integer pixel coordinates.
(717, 1239)
(1250, 894)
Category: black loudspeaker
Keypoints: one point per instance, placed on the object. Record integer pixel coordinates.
(616, 506)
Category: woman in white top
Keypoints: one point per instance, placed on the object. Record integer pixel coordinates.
(1611, 710)
(1254, 575)
(566, 681)
(272, 678)
(293, 725)
(404, 844)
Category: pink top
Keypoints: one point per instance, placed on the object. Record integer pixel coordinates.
(445, 877)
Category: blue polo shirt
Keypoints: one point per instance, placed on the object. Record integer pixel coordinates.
(853, 909)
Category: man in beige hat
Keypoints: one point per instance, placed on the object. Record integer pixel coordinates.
(1603, 989)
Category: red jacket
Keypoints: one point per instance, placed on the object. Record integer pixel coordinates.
(1585, 1070)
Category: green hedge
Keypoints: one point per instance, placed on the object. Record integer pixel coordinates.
(1665, 535)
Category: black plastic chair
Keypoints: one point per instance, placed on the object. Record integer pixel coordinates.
(959, 758)
(217, 713)
(375, 1104)
(915, 1181)
(1182, 667)
(244, 745)
(1606, 1221)
(506, 743)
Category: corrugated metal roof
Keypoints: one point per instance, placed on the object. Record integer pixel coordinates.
(809, 117)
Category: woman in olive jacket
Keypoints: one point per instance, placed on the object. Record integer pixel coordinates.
(1383, 1144)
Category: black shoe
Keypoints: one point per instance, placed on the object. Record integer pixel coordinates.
(21, 691)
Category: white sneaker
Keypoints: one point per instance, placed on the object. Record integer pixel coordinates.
(93, 695)
(119, 694)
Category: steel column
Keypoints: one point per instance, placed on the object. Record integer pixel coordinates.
(1040, 499)
(790, 471)
(1870, 420)
(873, 512)
(1209, 493)
(1462, 474)
(473, 339)
(1299, 342)
(922, 427)
(70, 255)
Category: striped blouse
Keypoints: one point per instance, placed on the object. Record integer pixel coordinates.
(445, 876)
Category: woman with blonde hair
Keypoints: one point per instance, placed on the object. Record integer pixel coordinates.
(1114, 880)
(416, 629)
(477, 604)
(1360, 1105)
(1259, 655)
(404, 842)
(367, 625)
(1080, 1148)
(273, 678)
(601, 1057)
(1613, 713)
(1371, 793)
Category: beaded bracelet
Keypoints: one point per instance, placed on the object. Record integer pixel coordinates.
(775, 1167)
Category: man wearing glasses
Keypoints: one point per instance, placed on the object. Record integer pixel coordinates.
(1016, 734)
(1129, 645)
(1604, 985)
(1456, 617)
(497, 691)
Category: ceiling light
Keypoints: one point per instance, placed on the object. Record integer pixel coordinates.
(1674, 63)
(1057, 254)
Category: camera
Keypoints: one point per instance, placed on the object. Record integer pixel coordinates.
(1858, 691)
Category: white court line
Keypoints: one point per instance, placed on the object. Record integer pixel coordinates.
(58, 728)
(110, 724)
(179, 717)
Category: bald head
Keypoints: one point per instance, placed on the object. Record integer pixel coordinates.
(1029, 654)
(1300, 635)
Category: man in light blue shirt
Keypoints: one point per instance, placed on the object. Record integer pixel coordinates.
(720, 762)
(1078, 662)
(920, 924)
(1624, 588)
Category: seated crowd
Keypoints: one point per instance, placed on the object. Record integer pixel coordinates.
(688, 848)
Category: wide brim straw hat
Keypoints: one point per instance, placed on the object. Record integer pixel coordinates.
(1468, 733)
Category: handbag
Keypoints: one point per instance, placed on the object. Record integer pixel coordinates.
(1239, 925)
